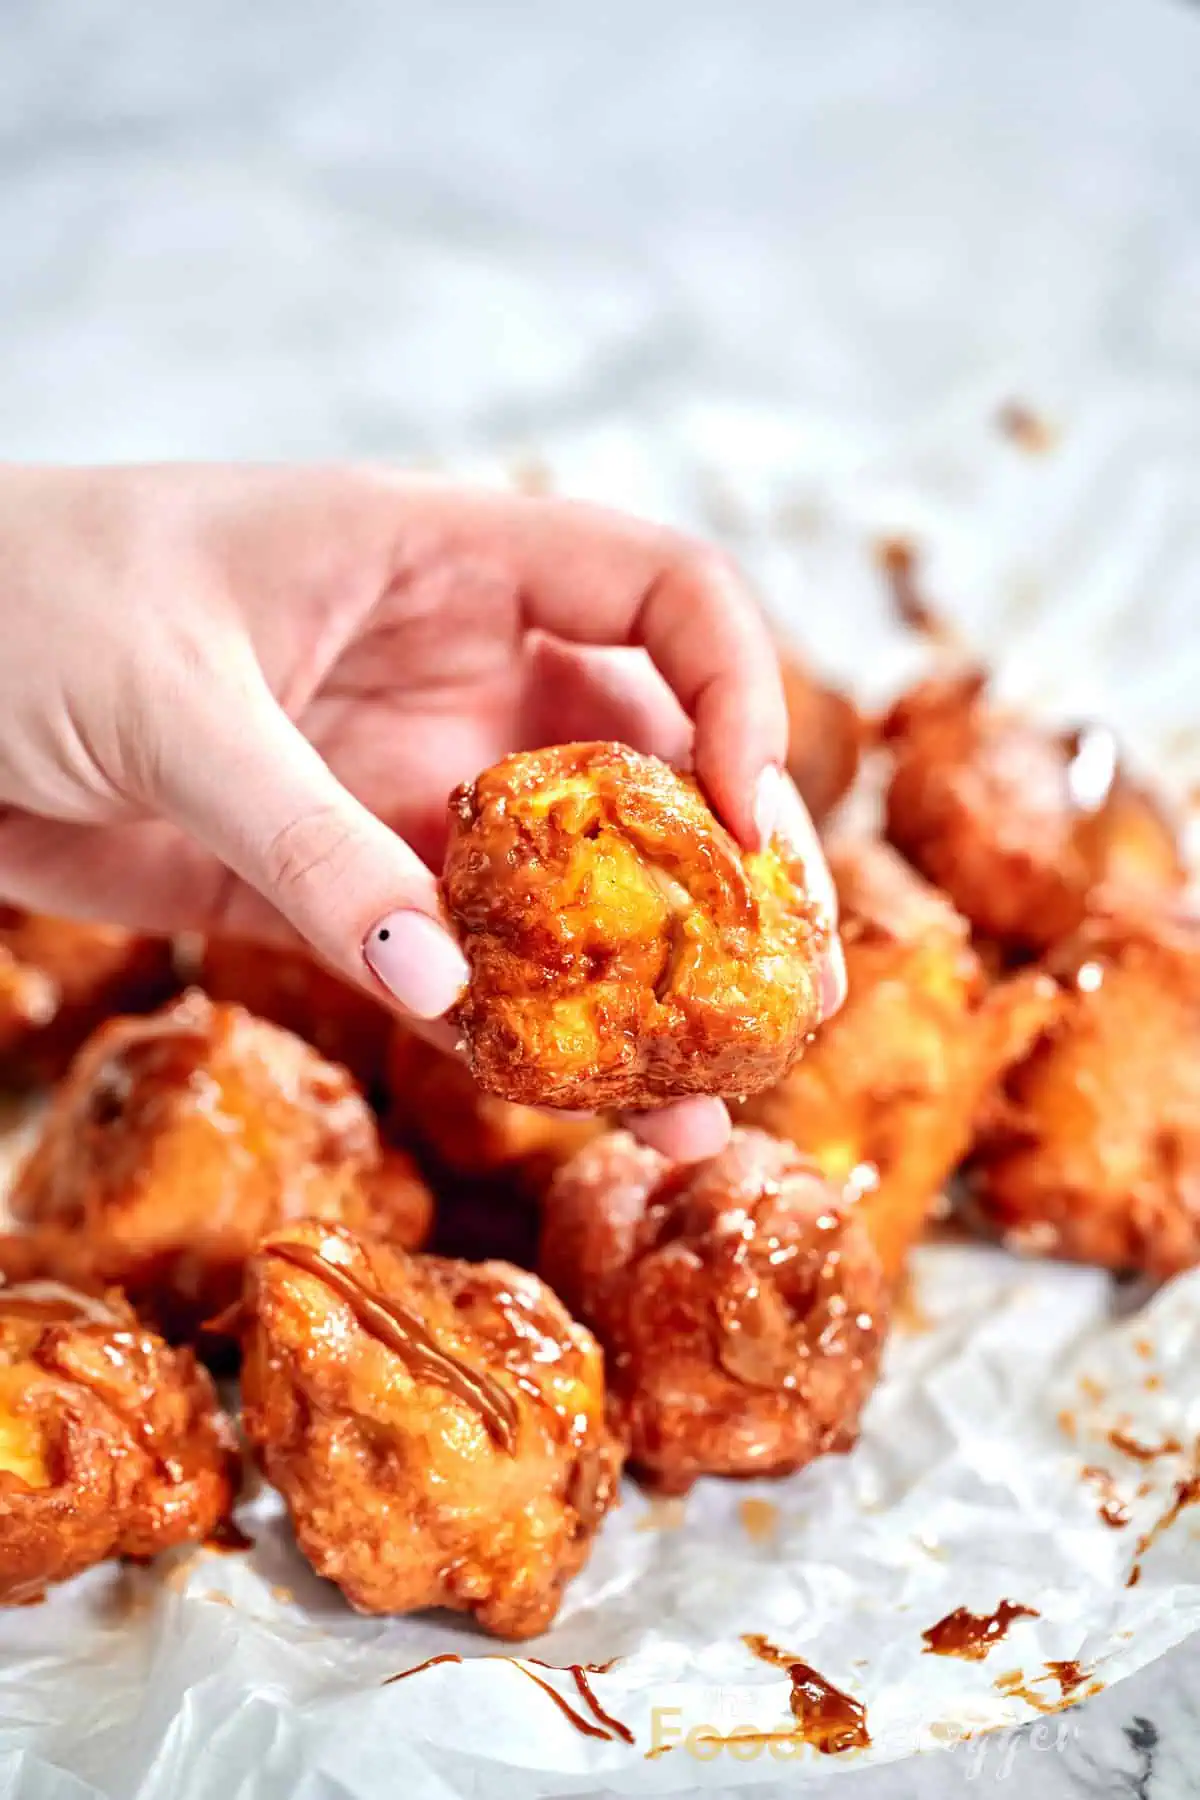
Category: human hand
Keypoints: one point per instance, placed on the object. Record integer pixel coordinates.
(235, 700)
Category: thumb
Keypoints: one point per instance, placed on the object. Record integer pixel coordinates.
(266, 804)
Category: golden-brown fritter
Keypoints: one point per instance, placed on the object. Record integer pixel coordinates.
(1023, 827)
(436, 1428)
(293, 991)
(885, 1098)
(111, 1444)
(740, 1305)
(826, 737)
(1091, 1147)
(622, 949)
(176, 1141)
(59, 978)
(436, 1103)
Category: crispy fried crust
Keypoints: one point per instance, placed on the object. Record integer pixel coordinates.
(293, 991)
(436, 1103)
(622, 950)
(470, 1469)
(111, 1444)
(885, 1098)
(1021, 826)
(59, 978)
(177, 1140)
(1091, 1146)
(826, 737)
(740, 1305)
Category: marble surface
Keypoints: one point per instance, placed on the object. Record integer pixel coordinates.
(430, 231)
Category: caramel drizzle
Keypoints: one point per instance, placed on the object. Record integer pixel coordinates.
(971, 1635)
(582, 1725)
(447, 1656)
(404, 1334)
(605, 1727)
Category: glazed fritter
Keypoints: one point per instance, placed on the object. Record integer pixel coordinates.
(436, 1428)
(622, 950)
(885, 1098)
(826, 737)
(111, 1444)
(1023, 827)
(1091, 1147)
(740, 1304)
(176, 1141)
(59, 978)
(436, 1103)
(293, 991)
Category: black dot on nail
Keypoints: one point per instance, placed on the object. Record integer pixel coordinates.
(383, 934)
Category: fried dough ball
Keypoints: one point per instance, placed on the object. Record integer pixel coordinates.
(885, 1098)
(437, 1428)
(1091, 1148)
(435, 1102)
(622, 950)
(826, 735)
(176, 1141)
(292, 990)
(59, 978)
(111, 1444)
(740, 1304)
(1020, 825)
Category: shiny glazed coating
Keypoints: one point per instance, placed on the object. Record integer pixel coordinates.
(1020, 825)
(176, 1141)
(436, 1428)
(1091, 1147)
(826, 736)
(293, 991)
(740, 1305)
(436, 1103)
(885, 1098)
(59, 978)
(111, 1444)
(622, 950)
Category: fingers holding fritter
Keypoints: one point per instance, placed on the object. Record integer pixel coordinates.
(436, 1428)
(1020, 825)
(1091, 1149)
(111, 1444)
(293, 991)
(59, 978)
(622, 949)
(740, 1305)
(176, 1141)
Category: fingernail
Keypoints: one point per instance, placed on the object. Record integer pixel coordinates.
(767, 797)
(417, 961)
(834, 984)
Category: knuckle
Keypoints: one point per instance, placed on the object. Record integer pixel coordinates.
(306, 855)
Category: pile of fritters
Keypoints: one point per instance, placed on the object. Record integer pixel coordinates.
(463, 1296)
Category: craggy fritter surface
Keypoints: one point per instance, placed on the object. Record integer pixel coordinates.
(740, 1304)
(885, 1098)
(59, 978)
(1020, 825)
(111, 1444)
(435, 1103)
(1091, 1146)
(622, 950)
(291, 990)
(467, 1465)
(176, 1141)
(826, 737)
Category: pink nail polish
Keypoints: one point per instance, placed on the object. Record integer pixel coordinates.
(834, 984)
(767, 798)
(417, 961)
